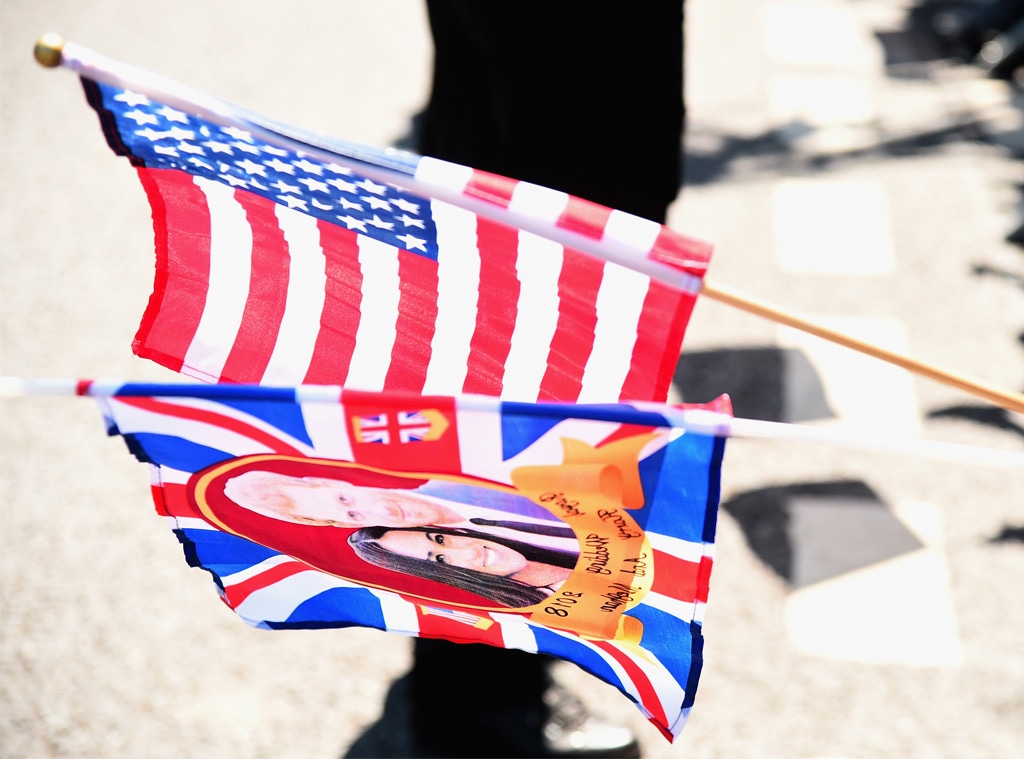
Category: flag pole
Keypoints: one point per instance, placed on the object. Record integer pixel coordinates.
(52, 52)
(694, 420)
(1005, 399)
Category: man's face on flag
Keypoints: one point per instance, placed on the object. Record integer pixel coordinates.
(333, 503)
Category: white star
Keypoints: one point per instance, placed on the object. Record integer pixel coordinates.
(380, 223)
(246, 148)
(370, 186)
(342, 185)
(218, 147)
(177, 133)
(410, 222)
(278, 165)
(314, 185)
(337, 169)
(150, 134)
(255, 183)
(238, 134)
(293, 202)
(165, 150)
(322, 206)
(251, 167)
(346, 203)
(172, 115)
(132, 98)
(141, 117)
(406, 205)
(310, 168)
(274, 151)
(188, 147)
(200, 163)
(234, 181)
(412, 243)
(282, 186)
(376, 203)
(353, 223)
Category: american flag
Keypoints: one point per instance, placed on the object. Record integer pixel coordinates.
(284, 258)
(181, 430)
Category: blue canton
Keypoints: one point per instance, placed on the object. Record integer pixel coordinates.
(163, 137)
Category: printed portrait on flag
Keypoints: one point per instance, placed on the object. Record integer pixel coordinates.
(450, 539)
(440, 539)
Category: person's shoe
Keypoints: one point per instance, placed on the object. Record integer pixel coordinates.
(571, 731)
(559, 729)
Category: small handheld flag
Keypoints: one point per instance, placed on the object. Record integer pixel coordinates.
(584, 532)
(287, 258)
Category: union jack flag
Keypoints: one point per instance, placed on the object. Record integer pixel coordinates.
(400, 427)
(183, 431)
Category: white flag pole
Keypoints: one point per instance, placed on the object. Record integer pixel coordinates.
(699, 421)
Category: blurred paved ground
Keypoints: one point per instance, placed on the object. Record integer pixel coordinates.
(863, 605)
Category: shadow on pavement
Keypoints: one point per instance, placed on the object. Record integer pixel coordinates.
(771, 384)
(810, 532)
(388, 737)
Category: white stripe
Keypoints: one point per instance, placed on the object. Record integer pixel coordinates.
(636, 232)
(672, 606)
(538, 266)
(230, 265)
(458, 287)
(620, 301)
(480, 451)
(378, 320)
(191, 523)
(326, 426)
(538, 202)
(255, 569)
(515, 632)
(682, 549)
(451, 175)
(165, 475)
(307, 281)
(399, 615)
(276, 602)
(133, 419)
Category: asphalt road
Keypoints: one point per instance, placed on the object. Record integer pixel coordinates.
(863, 604)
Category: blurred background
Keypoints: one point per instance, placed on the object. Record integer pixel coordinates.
(858, 161)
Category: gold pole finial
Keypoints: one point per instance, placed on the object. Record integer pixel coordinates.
(49, 49)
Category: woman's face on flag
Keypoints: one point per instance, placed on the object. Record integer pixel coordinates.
(456, 550)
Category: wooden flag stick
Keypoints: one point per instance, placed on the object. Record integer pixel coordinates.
(1005, 399)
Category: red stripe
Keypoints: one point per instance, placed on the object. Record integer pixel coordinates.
(417, 317)
(336, 340)
(171, 499)
(677, 578)
(490, 187)
(584, 217)
(704, 578)
(686, 253)
(236, 594)
(648, 695)
(268, 293)
(436, 625)
(181, 225)
(660, 331)
(496, 311)
(212, 418)
(578, 283)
